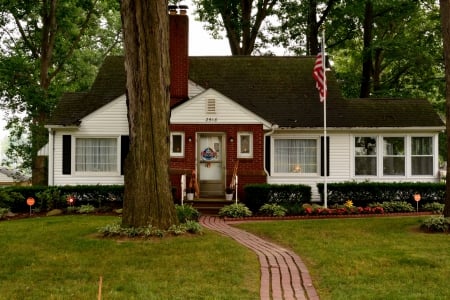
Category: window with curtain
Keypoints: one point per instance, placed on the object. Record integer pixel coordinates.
(245, 145)
(96, 155)
(365, 155)
(394, 156)
(421, 156)
(295, 156)
(176, 144)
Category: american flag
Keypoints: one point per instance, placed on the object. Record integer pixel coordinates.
(319, 76)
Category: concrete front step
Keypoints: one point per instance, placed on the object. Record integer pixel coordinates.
(209, 206)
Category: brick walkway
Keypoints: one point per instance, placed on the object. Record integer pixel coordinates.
(283, 274)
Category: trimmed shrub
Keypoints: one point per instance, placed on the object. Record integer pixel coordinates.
(47, 198)
(286, 195)
(363, 193)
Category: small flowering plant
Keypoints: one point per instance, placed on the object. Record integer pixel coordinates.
(347, 209)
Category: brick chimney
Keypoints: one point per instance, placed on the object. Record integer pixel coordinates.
(178, 50)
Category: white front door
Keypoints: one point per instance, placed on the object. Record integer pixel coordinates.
(211, 164)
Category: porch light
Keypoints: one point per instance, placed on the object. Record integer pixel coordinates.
(231, 140)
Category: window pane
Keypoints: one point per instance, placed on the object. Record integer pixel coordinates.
(176, 143)
(96, 155)
(393, 165)
(365, 156)
(366, 166)
(422, 165)
(394, 146)
(295, 156)
(394, 156)
(245, 144)
(421, 156)
(421, 146)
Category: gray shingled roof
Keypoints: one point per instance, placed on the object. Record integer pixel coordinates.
(278, 89)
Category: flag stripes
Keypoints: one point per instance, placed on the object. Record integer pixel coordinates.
(319, 76)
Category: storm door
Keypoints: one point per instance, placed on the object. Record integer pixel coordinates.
(211, 164)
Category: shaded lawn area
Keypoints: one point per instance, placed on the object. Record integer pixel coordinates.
(372, 258)
(60, 258)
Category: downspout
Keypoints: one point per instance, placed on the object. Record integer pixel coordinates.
(273, 128)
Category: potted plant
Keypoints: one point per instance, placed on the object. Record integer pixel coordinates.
(229, 191)
(190, 192)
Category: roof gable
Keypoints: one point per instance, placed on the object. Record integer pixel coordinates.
(211, 107)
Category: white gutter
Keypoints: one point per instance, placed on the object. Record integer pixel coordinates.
(273, 128)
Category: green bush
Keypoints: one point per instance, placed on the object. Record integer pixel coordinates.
(362, 193)
(435, 207)
(46, 197)
(3, 212)
(256, 195)
(272, 210)
(86, 209)
(186, 213)
(394, 206)
(235, 211)
(50, 198)
(436, 224)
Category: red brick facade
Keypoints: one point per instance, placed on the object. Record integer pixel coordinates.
(250, 170)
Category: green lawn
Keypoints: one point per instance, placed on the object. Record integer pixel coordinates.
(60, 258)
(372, 258)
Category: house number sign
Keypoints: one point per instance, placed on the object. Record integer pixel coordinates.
(211, 119)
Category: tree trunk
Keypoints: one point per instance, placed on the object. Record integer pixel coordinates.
(147, 197)
(445, 22)
(367, 51)
(312, 41)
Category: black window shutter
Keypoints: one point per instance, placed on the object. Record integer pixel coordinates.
(66, 154)
(322, 147)
(124, 148)
(267, 158)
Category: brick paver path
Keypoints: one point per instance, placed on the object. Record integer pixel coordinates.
(283, 274)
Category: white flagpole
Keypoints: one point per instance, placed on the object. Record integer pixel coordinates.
(325, 154)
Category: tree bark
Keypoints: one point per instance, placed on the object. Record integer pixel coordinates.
(147, 197)
(367, 51)
(445, 24)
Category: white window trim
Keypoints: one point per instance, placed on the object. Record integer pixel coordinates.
(241, 154)
(90, 173)
(177, 154)
(408, 167)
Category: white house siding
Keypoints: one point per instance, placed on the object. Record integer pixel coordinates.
(341, 158)
(226, 111)
(108, 121)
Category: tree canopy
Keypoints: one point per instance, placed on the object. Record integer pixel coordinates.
(49, 47)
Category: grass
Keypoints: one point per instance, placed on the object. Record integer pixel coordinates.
(61, 258)
(373, 258)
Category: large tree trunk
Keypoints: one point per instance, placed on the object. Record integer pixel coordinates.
(148, 197)
(367, 51)
(445, 22)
